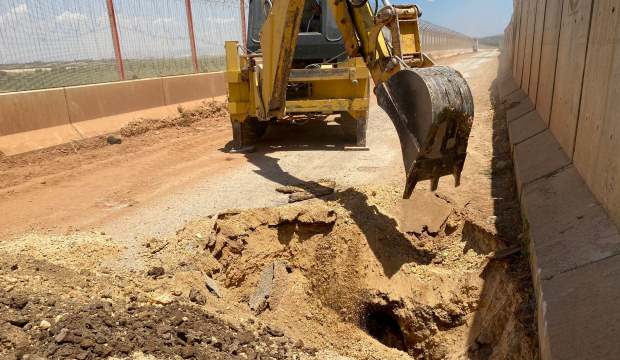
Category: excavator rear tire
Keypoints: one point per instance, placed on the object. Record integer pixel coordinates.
(247, 133)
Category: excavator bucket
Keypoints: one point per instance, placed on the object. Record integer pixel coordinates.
(432, 109)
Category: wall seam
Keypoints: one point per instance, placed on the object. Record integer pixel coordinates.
(542, 40)
(583, 76)
(529, 78)
(555, 69)
(524, 46)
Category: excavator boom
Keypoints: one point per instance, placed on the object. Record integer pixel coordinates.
(431, 106)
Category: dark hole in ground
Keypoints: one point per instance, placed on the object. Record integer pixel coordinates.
(382, 325)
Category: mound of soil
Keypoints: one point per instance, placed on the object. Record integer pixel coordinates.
(211, 109)
(329, 278)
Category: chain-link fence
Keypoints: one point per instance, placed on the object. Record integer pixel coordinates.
(55, 43)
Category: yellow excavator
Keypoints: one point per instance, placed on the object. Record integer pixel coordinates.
(288, 70)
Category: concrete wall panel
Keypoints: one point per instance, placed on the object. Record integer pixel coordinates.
(548, 58)
(570, 70)
(593, 129)
(522, 36)
(32, 110)
(184, 88)
(94, 101)
(517, 36)
(606, 166)
(529, 46)
(536, 49)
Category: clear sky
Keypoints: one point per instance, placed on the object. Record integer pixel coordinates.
(472, 17)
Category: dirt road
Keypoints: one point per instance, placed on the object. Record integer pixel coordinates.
(120, 250)
(152, 185)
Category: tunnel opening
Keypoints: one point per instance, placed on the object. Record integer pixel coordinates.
(381, 323)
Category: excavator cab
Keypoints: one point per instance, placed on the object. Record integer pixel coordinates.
(319, 38)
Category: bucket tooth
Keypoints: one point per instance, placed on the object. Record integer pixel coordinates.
(432, 110)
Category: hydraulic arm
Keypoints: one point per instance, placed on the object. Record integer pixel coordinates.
(430, 106)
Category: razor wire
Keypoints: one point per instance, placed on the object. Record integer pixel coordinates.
(58, 43)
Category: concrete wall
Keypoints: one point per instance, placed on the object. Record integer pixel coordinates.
(40, 109)
(566, 58)
(32, 120)
(563, 114)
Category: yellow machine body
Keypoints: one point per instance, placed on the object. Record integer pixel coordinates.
(430, 106)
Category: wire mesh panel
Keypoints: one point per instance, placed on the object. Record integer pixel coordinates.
(54, 43)
(215, 21)
(154, 37)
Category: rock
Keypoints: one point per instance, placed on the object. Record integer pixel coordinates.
(196, 297)
(274, 332)
(308, 190)
(271, 280)
(18, 302)
(156, 271)
(163, 299)
(300, 196)
(423, 211)
(61, 336)
(14, 267)
(114, 140)
(45, 324)
(505, 253)
(213, 287)
(245, 337)
(18, 321)
(87, 343)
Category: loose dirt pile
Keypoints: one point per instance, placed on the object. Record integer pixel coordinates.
(211, 109)
(329, 278)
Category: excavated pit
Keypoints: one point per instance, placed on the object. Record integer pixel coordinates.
(344, 273)
(381, 323)
(333, 278)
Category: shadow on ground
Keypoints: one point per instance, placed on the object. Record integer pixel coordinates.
(497, 311)
(391, 247)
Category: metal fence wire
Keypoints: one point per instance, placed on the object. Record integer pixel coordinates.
(57, 43)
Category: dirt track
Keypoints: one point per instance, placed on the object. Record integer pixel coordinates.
(348, 266)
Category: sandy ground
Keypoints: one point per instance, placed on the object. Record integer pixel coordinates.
(152, 185)
(151, 213)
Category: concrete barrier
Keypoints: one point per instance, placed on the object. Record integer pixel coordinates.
(537, 49)
(569, 71)
(31, 110)
(566, 153)
(529, 45)
(597, 146)
(33, 120)
(95, 101)
(548, 58)
(178, 89)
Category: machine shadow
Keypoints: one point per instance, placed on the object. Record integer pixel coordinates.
(391, 247)
(513, 268)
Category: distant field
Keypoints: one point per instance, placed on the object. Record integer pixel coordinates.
(33, 76)
(493, 41)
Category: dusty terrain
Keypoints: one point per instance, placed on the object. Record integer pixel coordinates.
(167, 246)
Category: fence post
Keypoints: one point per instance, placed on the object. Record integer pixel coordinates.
(244, 33)
(116, 40)
(192, 36)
